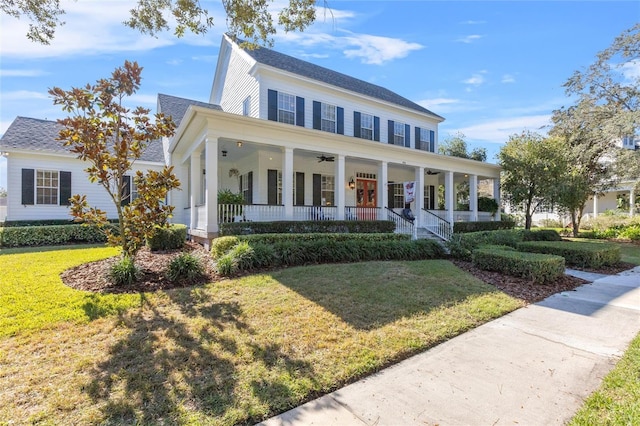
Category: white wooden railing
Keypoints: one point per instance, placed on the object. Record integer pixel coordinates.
(363, 213)
(403, 226)
(436, 224)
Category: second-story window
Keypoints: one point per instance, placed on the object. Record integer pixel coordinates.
(286, 108)
(246, 106)
(328, 117)
(426, 140)
(398, 134)
(366, 126)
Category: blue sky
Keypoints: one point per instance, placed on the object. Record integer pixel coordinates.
(491, 68)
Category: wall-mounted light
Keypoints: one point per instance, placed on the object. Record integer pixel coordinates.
(4, 154)
(239, 143)
(352, 183)
(224, 152)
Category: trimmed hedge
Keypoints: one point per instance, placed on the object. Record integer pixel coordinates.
(21, 236)
(168, 238)
(581, 254)
(43, 222)
(464, 227)
(248, 255)
(305, 227)
(539, 268)
(461, 246)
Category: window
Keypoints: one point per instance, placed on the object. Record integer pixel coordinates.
(246, 106)
(429, 197)
(396, 195)
(328, 118)
(327, 188)
(366, 126)
(398, 133)
(47, 187)
(245, 188)
(426, 140)
(286, 108)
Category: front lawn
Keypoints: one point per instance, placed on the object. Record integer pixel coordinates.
(236, 351)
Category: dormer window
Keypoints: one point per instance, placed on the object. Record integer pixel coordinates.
(286, 108)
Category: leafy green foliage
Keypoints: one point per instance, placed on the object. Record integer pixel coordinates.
(584, 255)
(110, 137)
(456, 146)
(21, 236)
(463, 227)
(303, 227)
(487, 204)
(185, 266)
(221, 245)
(124, 272)
(225, 196)
(539, 268)
(170, 238)
(461, 246)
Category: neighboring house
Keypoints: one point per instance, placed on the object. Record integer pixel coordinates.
(302, 142)
(42, 174)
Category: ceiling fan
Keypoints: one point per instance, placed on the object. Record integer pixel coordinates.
(325, 158)
(431, 172)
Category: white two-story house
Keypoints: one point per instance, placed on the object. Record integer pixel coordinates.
(298, 141)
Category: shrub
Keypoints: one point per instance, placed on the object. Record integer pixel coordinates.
(630, 233)
(221, 245)
(124, 272)
(462, 245)
(168, 238)
(581, 254)
(464, 227)
(305, 227)
(540, 268)
(185, 266)
(487, 204)
(541, 235)
(19, 236)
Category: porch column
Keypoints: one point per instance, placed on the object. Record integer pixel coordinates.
(449, 195)
(632, 202)
(473, 197)
(595, 205)
(383, 195)
(340, 184)
(287, 183)
(211, 184)
(496, 196)
(194, 180)
(419, 196)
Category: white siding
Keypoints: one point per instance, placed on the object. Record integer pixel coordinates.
(96, 195)
(238, 85)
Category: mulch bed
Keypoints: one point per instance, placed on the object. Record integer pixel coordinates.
(93, 276)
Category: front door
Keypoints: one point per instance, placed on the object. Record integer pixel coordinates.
(366, 196)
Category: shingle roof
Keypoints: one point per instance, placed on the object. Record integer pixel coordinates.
(306, 69)
(177, 107)
(40, 135)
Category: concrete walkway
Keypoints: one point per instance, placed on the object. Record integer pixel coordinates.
(534, 366)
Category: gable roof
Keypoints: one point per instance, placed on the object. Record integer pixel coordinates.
(37, 135)
(177, 107)
(315, 72)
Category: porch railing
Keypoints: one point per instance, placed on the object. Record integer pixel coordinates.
(436, 225)
(403, 226)
(362, 213)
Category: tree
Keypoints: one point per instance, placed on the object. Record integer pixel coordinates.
(3, 192)
(456, 146)
(110, 137)
(532, 167)
(251, 20)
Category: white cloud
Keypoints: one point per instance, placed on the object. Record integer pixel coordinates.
(205, 58)
(470, 38)
(474, 80)
(23, 95)
(498, 131)
(22, 73)
(508, 78)
(471, 22)
(174, 62)
(631, 70)
(139, 99)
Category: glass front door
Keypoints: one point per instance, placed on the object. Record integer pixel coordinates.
(366, 193)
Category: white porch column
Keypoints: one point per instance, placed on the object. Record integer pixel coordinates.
(595, 205)
(194, 181)
(419, 196)
(496, 196)
(632, 202)
(287, 183)
(211, 184)
(340, 185)
(383, 194)
(449, 195)
(473, 197)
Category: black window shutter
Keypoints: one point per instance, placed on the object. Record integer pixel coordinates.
(65, 188)
(407, 135)
(432, 141)
(249, 198)
(126, 191)
(356, 124)
(340, 119)
(299, 189)
(376, 129)
(418, 143)
(317, 190)
(272, 105)
(28, 186)
(317, 118)
(272, 187)
(432, 197)
(390, 197)
(299, 111)
(391, 132)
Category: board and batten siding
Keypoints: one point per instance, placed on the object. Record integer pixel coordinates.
(96, 195)
(238, 85)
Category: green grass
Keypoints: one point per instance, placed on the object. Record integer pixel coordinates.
(231, 352)
(617, 402)
(629, 252)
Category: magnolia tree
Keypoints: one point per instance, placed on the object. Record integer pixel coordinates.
(111, 137)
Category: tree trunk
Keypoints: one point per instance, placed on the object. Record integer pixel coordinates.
(575, 224)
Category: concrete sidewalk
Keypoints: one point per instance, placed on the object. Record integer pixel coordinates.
(534, 366)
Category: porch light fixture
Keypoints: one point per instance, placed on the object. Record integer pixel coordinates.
(352, 183)
(224, 152)
(239, 143)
